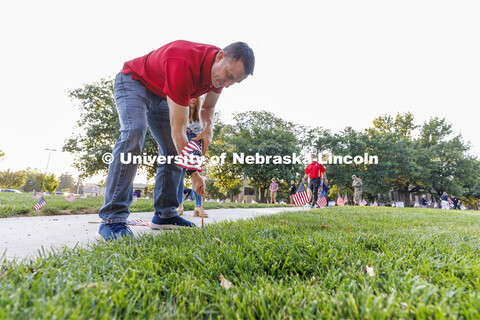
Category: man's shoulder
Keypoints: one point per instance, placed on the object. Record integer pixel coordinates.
(186, 49)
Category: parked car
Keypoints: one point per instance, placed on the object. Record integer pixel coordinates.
(12, 190)
(59, 192)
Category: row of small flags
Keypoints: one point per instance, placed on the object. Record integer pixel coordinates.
(42, 201)
(301, 198)
(70, 197)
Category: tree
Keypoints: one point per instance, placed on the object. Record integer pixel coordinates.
(2, 154)
(226, 176)
(98, 129)
(50, 183)
(429, 161)
(263, 133)
(66, 181)
(32, 183)
(451, 168)
(472, 197)
(12, 180)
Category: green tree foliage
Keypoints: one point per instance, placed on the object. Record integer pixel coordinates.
(226, 177)
(50, 183)
(2, 154)
(98, 129)
(66, 181)
(32, 182)
(12, 180)
(452, 169)
(409, 162)
(263, 133)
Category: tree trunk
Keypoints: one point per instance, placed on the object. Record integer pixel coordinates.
(231, 195)
(263, 199)
(256, 195)
(406, 198)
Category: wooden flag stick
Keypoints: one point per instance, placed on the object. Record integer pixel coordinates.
(201, 208)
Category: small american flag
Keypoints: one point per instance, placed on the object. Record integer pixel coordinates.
(138, 222)
(345, 199)
(363, 203)
(191, 157)
(83, 196)
(36, 195)
(70, 198)
(374, 204)
(322, 201)
(40, 204)
(301, 196)
(340, 201)
(134, 198)
(462, 207)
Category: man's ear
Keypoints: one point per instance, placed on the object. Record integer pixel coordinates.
(220, 56)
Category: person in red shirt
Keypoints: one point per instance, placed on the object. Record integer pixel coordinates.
(154, 91)
(316, 172)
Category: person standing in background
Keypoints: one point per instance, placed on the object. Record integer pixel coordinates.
(273, 191)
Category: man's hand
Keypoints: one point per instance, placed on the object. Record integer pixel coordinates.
(198, 184)
(206, 136)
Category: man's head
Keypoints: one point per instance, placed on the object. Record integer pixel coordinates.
(273, 180)
(354, 177)
(232, 64)
(292, 182)
(313, 156)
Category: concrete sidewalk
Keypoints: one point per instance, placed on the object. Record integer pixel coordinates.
(23, 237)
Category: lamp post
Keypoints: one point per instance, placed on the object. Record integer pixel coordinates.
(48, 161)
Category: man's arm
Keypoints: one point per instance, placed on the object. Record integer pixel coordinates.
(207, 114)
(178, 123)
(325, 177)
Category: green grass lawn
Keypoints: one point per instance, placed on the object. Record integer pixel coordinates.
(12, 204)
(297, 265)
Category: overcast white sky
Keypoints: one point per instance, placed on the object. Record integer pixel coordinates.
(320, 63)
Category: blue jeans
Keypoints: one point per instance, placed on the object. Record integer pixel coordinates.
(138, 108)
(198, 199)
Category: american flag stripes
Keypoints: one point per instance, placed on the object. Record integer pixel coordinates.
(301, 196)
(345, 200)
(70, 198)
(138, 222)
(340, 201)
(322, 201)
(36, 195)
(40, 204)
(191, 157)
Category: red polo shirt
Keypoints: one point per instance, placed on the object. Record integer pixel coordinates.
(314, 170)
(180, 70)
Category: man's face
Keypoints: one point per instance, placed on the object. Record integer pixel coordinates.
(225, 73)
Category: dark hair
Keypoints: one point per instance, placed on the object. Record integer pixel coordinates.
(196, 110)
(241, 51)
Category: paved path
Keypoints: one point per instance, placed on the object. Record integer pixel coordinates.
(23, 237)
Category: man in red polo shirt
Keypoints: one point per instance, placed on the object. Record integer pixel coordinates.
(154, 91)
(315, 171)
